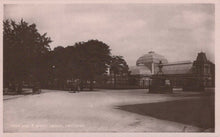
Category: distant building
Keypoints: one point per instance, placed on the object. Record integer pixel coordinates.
(186, 74)
(151, 61)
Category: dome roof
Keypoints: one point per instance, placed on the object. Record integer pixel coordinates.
(151, 57)
(140, 70)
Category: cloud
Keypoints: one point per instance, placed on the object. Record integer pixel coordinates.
(131, 30)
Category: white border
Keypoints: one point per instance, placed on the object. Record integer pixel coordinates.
(123, 134)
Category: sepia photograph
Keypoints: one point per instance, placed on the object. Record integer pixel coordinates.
(109, 67)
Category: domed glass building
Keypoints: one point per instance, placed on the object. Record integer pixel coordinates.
(148, 64)
(151, 57)
(140, 70)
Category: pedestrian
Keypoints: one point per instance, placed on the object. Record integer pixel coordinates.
(81, 85)
(73, 86)
(77, 85)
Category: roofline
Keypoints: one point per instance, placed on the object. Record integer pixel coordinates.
(178, 63)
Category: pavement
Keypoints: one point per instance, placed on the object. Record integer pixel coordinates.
(96, 111)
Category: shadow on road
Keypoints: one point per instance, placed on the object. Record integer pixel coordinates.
(196, 112)
(14, 95)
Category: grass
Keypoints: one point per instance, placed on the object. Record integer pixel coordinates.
(196, 112)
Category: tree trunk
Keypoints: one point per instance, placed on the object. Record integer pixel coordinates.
(18, 87)
(81, 85)
(114, 80)
(91, 85)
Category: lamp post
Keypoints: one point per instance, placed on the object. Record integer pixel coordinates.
(53, 76)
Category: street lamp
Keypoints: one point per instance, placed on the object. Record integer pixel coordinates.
(53, 75)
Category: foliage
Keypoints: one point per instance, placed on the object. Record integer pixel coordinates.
(84, 60)
(118, 66)
(27, 57)
(24, 50)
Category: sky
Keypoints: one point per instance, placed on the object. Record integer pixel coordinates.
(176, 31)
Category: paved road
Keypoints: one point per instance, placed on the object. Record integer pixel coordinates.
(61, 111)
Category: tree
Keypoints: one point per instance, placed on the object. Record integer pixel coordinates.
(93, 58)
(24, 51)
(83, 60)
(63, 65)
(118, 66)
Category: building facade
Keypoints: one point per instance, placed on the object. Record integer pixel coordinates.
(184, 74)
